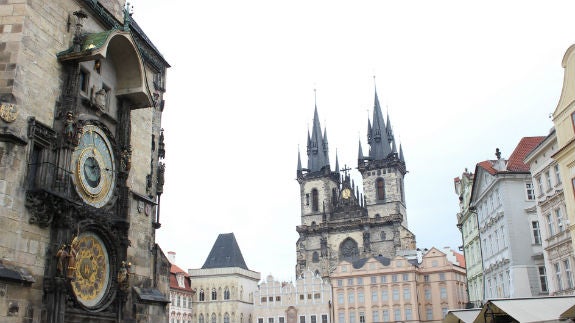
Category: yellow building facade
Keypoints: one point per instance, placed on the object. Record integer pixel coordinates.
(564, 120)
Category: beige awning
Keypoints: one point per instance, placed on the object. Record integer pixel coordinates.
(461, 316)
(537, 309)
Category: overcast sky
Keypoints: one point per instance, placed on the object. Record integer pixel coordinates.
(458, 80)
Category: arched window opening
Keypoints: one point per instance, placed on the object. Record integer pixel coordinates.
(201, 318)
(214, 318)
(226, 318)
(226, 293)
(382, 234)
(314, 200)
(380, 187)
(315, 257)
(214, 294)
(202, 295)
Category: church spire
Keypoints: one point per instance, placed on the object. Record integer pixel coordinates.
(336, 162)
(379, 141)
(299, 169)
(317, 148)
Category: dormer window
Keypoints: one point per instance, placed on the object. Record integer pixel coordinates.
(180, 279)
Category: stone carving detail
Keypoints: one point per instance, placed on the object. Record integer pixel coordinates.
(124, 276)
(161, 172)
(126, 159)
(162, 149)
(8, 112)
(366, 242)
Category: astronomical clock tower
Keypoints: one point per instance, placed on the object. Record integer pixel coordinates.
(81, 170)
(338, 222)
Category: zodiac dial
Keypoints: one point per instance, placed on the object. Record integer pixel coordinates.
(91, 269)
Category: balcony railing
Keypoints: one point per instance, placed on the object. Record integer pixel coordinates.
(49, 177)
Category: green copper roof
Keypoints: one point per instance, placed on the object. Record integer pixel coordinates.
(96, 40)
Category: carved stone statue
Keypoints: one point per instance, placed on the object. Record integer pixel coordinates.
(70, 127)
(323, 243)
(100, 99)
(161, 172)
(126, 159)
(366, 241)
(124, 276)
(73, 251)
(63, 256)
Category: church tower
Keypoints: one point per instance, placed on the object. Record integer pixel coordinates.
(337, 221)
(383, 171)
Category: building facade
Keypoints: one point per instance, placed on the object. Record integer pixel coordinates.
(467, 222)
(181, 293)
(380, 289)
(80, 165)
(564, 121)
(552, 228)
(337, 221)
(506, 212)
(308, 300)
(224, 286)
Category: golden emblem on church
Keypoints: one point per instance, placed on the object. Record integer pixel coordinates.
(90, 269)
(8, 111)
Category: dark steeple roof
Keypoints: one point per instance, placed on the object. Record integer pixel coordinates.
(317, 150)
(225, 253)
(378, 134)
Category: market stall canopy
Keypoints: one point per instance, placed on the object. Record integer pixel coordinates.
(461, 316)
(536, 309)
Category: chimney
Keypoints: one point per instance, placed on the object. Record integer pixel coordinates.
(172, 257)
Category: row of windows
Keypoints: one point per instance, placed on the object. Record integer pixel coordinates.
(494, 242)
(395, 314)
(379, 188)
(546, 181)
(214, 295)
(181, 301)
(563, 274)
(384, 295)
(395, 278)
(302, 319)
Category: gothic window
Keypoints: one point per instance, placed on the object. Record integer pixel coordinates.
(226, 318)
(307, 199)
(380, 187)
(213, 317)
(314, 200)
(202, 295)
(333, 196)
(214, 294)
(348, 248)
(84, 80)
(201, 318)
(226, 293)
(315, 257)
(382, 234)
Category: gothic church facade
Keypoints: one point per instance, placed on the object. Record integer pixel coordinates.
(338, 222)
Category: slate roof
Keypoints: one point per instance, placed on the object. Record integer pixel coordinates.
(225, 253)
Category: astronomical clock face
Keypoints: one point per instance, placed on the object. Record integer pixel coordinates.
(93, 162)
(91, 269)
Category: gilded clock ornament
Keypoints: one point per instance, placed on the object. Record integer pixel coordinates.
(94, 166)
(346, 193)
(90, 268)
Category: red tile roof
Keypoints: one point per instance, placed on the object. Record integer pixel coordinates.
(515, 161)
(174, 281)
(460, 258)
(525, 146)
